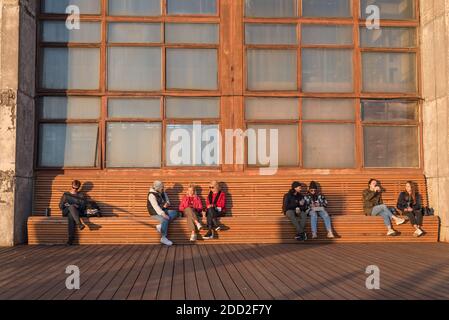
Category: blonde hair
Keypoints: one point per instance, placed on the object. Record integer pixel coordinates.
(193, 186)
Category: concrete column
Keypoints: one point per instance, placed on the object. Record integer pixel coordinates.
(435, 76)
(17, 117)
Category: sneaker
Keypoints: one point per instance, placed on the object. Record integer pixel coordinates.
(199, 226)
(330, 235)
(299, 237)
(305, 236)
(81, 226)
(418, 233)
(193, 237)
(391, 233)
(218, 228)
(165, 241)
(209, 235)
(159, 228)
(400, 221)
(314, 236)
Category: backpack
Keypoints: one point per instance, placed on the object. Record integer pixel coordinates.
(92, 209)
(426, 211)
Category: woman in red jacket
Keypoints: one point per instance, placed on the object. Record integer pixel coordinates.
(216, 207)
(192, 207)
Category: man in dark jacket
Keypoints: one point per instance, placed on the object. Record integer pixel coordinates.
(73, 206)
(294, 207)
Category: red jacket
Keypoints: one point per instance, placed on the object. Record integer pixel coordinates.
(221, 203)
(193, 202)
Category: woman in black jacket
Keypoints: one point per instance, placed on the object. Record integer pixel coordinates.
(294, 207)
(73, 204)
(410, 203)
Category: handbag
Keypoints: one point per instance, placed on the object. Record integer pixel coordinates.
(427, 211)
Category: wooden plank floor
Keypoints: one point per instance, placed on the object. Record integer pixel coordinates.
(236, 272)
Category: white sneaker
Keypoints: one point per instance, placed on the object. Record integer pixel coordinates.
(159, 228)
(165, 241)
(314, 236)
(391, 233)
(418, 233)
(330, 235)
(193, 237)
(199, 226)
(400, 221)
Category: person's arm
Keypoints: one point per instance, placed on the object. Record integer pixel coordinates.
(369, 195)
(418, 204)
(323, 201)
(221, 202)
(401, 202)
(155, 205)
(183, 205)
(198, 204)
(62, 202)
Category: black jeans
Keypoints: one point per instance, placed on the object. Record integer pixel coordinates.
(212, 214)
(416, 217)
(74, 220)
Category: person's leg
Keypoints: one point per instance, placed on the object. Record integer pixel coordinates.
(303, 221)
(327, 220)
(294, 220)
(163, 223)
(74, 213)
(191, 218)
(210, 214)
(313, 222)
(71, 229)
(412, 218)
(419, 218)
(383, 211)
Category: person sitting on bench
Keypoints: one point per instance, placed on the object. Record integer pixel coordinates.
(73, 205)
(157, 205)
(216, 207)
(316, 203)
(373, 206)
(294, 207)
(192, 208)
(410, 203)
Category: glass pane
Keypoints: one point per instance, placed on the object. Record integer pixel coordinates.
(270, 34)
(388, 37)
(328, 109)
(60, 6)
(287, 153)
(72, 145)
(134, 69)
(192, 7)
(391, 147)
(193, 145)
(271, 109)
(134, 32)
(134, 7)
(70, 68)
(69, 108)
(133, 145)
(318, 34)
(389, 72)
(387, 111)
(192, 69)
(271, 8)
(134, 108)
(328, 146)
(191, 33)
(326, 8)
(192, 108)
(56, 31)
(327, 70)
(390, 9)
(272, 70)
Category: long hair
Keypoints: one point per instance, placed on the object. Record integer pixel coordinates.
(193, 186)
(414, 191)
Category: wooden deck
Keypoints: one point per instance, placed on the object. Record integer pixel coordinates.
(240, 272)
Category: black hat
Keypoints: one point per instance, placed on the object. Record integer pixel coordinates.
(313, 185)
(296, 184)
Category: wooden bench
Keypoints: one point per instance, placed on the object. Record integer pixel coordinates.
(254, 209)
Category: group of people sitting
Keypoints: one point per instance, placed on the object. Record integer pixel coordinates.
(296, 206)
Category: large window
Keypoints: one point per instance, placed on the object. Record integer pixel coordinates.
(156, 83)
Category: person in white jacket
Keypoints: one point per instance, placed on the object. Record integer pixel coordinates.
(157, 205)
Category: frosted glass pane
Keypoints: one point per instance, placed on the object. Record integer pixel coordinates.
(391, 147)
(189, 145)
(270, 34)
(287, 152)
(389, 72)
(192, 108)
(134, 32)
(191, 33)
(388, 37)
(133, 145)
(271, 8)
(134, 69)
(70, 108)
(192, 7)
(272, 70)
(328, 146)
(56, 31)
(70, 68)
(391, 9)
(134, 7)
(192, 69)
(72, 145)
(327, 70)
(59, 6)
(328, 109)
(390, 110)
(134, 108)
(271, 109)
(318, 34)
(326, 8)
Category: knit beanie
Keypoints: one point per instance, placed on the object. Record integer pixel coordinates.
(313, 185)
(158, 185)
(296, 184)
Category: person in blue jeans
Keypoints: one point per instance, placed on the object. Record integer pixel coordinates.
(373, 205)
(157, 205)
(316, 206)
